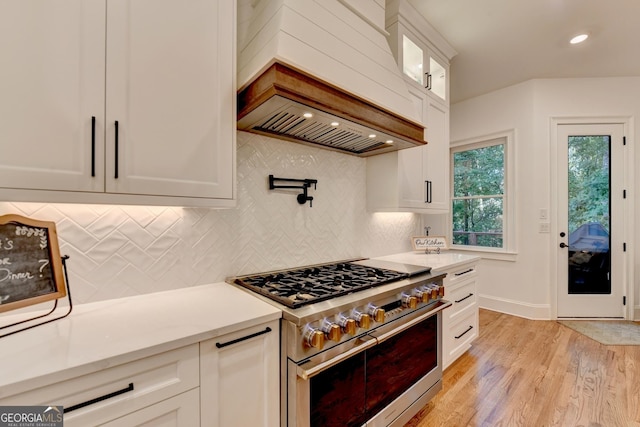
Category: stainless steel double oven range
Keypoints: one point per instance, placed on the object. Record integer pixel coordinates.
(361, 340)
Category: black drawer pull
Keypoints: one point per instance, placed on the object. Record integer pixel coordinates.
(93, 145)
(99, 399)
(460, 300)
(464, 333)
(117, 148)
(237, 340)
(464, 272)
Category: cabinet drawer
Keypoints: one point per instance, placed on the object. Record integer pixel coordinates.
(111, 393)
(460, 274)
(179, 411)
(458, 336)
(461, 297)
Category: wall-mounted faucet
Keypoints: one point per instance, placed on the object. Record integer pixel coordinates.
(301, 184)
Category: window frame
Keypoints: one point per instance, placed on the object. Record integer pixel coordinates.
(507, 139)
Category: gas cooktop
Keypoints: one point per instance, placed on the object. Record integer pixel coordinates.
(306, 285)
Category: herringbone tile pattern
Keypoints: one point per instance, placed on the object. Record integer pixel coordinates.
(117, 251)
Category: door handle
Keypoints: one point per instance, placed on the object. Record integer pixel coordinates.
(563, 245)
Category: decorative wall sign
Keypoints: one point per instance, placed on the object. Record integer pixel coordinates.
(31, 269)
(429, 243)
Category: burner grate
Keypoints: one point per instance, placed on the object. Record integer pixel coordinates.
(298, 287)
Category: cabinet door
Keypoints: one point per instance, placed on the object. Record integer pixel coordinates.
(170, 89)
(240, 380)
(411, 185)
(52, 84)
(423, 172)
(436, 157)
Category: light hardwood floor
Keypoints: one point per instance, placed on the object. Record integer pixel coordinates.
(535, 373)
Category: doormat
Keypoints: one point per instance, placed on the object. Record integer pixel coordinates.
(607, 332)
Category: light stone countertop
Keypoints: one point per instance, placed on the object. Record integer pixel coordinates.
(444, 260)
(107, 333)
(98, 335)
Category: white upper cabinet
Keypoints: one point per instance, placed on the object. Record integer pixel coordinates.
(420, 51)
(423, 67)
(416, 179)
(118, 102)
(52, 84)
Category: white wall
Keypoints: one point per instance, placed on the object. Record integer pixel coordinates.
(522, 286)
(117, 251)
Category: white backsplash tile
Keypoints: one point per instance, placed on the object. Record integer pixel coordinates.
(117, 251)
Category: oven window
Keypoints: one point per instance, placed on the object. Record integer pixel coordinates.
(399, 362)
(337, 394)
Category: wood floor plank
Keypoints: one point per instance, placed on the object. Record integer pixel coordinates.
(529, 373)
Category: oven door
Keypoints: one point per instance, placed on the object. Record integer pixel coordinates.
(374, 379)
(404, 369)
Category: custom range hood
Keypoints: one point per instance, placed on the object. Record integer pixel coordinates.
(321, 72)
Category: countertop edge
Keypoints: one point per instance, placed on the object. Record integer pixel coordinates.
(244, 312)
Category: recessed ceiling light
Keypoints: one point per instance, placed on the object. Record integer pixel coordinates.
(308, 115)
(389, 141)
(579, 38)
(335, 124)
(373, 135)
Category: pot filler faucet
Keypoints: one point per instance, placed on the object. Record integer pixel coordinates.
(303, 185)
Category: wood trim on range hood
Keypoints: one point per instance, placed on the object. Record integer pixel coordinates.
(273, 104)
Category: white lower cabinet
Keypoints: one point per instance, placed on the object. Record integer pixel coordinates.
(460, 321)
(231, 380)
(240, 382)
(182, 410)
(130, 394)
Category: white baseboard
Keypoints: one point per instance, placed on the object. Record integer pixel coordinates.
(516, 308)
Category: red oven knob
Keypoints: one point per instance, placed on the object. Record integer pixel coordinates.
(333, 331)
(314, 338)
(377, 313)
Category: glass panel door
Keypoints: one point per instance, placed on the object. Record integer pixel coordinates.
(412, 60)
(589, 208)
(590, 218)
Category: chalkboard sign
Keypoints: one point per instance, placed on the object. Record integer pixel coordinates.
(30, 262)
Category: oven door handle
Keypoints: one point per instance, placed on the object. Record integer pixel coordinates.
(383, 336)
(314, 368)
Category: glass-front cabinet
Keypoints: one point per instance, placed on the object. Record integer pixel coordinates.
(423, 67)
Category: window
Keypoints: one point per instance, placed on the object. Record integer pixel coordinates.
(480, 202)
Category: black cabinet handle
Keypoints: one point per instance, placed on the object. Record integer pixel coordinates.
(428, 86)
(464, 333)
(98, 399)
(237, 340)
(468, 296)
(428, 191)
(93, 145)
(116, 150)
(464, 272)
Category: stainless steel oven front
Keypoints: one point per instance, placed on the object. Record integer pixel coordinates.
(381, 378)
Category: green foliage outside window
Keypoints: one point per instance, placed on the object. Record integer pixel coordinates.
(478, 196)
(589, 181)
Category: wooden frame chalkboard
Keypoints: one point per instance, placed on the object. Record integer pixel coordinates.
(30, 263)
